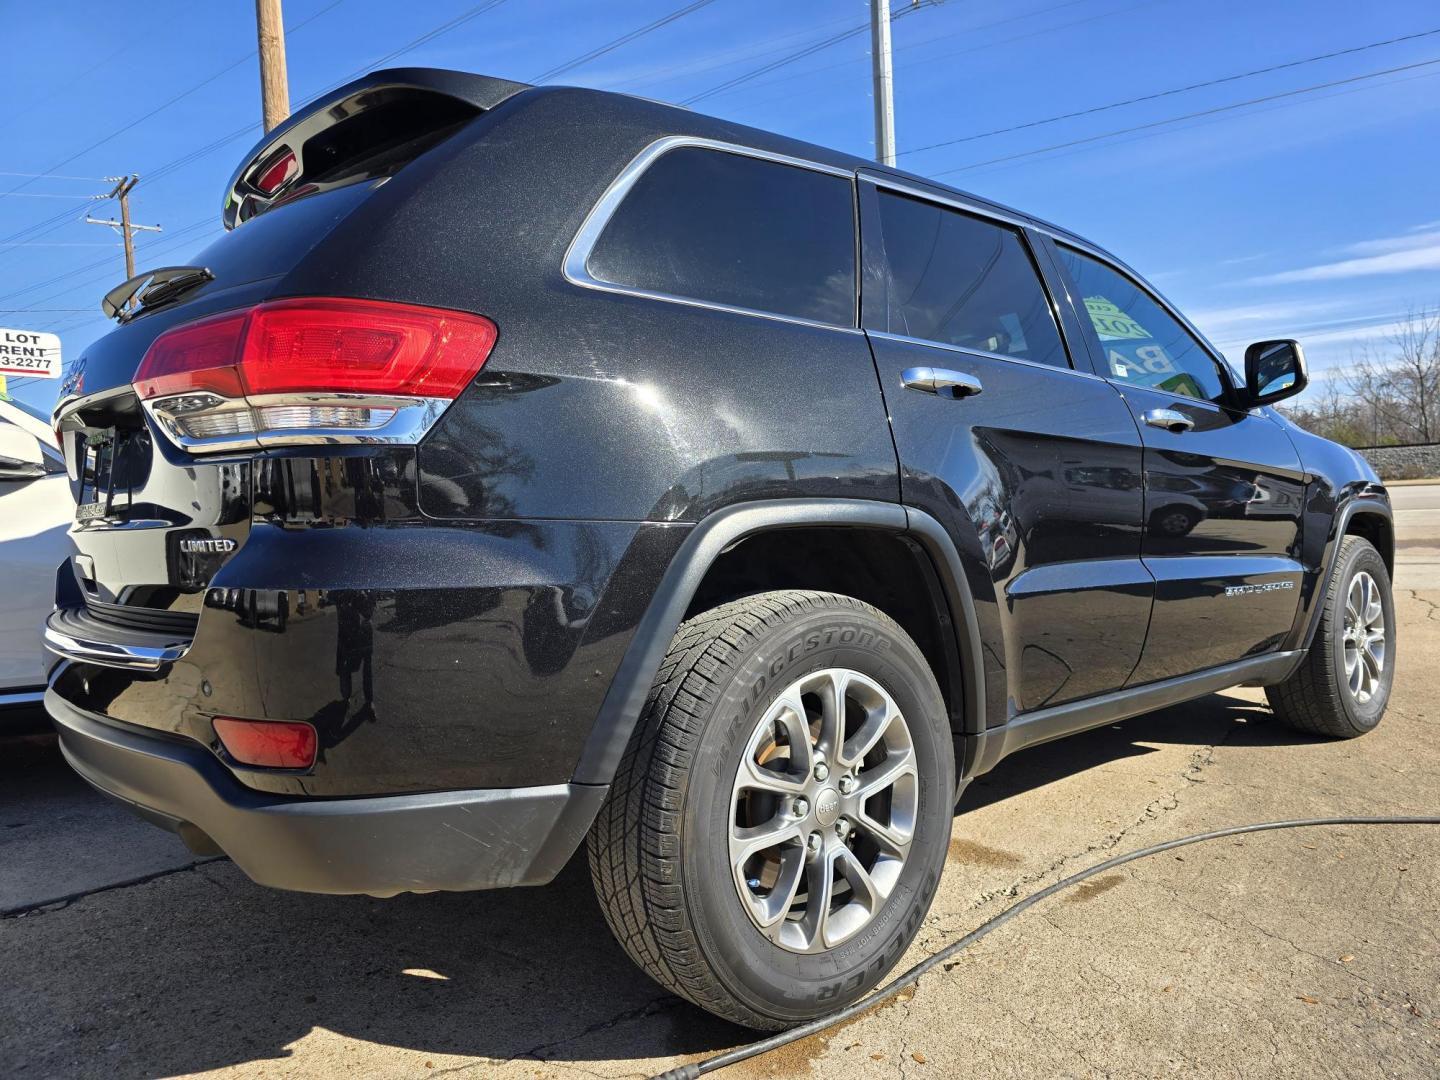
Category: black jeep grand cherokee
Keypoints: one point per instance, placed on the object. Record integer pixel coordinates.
(537, 465)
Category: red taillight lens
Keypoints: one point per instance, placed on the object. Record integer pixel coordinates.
(362, 347)
(197, 357)
(299, 366)
(270, 744)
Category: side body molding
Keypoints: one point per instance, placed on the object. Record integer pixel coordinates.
(623, 703)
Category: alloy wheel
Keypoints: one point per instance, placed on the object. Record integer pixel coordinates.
(1364, 637)
(823, 810)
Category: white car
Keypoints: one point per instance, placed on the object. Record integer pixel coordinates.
(36, 509)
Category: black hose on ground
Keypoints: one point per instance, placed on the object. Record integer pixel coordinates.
(885, 993)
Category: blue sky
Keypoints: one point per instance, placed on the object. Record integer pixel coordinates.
(1315, 215)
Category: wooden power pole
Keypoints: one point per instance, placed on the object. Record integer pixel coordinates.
(126, 229)
(274, 83)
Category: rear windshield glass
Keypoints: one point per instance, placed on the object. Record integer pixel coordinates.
(736, 230)
(367, 135)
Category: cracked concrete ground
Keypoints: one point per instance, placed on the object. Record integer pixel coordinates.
(1307, 953)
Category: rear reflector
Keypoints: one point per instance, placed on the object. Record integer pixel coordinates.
(270, 744)
(304, 366)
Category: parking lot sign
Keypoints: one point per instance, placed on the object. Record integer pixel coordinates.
(29, 353)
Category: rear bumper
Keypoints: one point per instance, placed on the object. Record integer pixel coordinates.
(383, 845)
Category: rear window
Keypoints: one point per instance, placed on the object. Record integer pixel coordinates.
(740, 231)
(958, 280)
(370, 134)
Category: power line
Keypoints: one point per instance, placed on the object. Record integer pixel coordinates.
(1190, 116)
(623, 39)
(165, 104)
(45, 195)
(54, 176)
(790, 58)
(800, 54)
(1172, 92)
(965, 30)
(109, 261)
(725, 58)
(192, 156)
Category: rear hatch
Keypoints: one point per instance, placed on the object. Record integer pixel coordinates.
(154, 520)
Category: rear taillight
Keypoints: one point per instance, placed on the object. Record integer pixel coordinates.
(270, 744)
(311, 370)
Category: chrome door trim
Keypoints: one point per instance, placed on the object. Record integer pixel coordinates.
(885, 335)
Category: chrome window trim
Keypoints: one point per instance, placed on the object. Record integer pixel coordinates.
(577, 256)
(1227, 375)
(885, 335)
(1062, 238)
(986, 214)
(945, 198)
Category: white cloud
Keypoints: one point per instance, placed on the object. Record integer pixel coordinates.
(1394, 262)
(1417, 236)
(1252, 321)
(1417, 248)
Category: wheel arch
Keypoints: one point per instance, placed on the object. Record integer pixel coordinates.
(1366, 513)
(724, 533)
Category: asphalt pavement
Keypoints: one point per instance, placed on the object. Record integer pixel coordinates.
(1310, 953)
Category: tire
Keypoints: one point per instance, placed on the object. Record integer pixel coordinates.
(1320, 697)
(661, 853)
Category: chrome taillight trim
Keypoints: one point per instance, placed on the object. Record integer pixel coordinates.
(410, 420)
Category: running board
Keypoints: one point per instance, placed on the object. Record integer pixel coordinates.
(1044, 725)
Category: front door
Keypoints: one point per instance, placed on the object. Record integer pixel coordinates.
(1032, 466)
(1223, 485)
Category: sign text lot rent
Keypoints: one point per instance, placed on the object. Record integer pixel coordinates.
(29, 352)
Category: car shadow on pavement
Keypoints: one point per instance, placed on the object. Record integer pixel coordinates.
(1219, 718)
(202, 969)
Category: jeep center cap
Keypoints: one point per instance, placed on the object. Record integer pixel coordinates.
(827, 806)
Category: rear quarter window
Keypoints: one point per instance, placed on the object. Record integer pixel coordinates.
(744, 232)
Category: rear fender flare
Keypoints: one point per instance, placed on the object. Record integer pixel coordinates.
(625, 700)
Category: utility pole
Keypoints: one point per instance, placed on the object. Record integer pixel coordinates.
(274, 82)
(884, 81)
(126, 229)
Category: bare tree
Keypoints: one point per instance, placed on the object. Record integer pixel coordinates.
(1402, 391)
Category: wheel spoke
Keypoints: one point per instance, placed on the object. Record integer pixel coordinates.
(1354, 604)
(1374, 662)
(831, 691)
(762, 778)
(890, 840)
(862, 885)
(782, 896)
(1374, 610)
(877, 722)
(873, 781)
(819, 895)
(746, 841)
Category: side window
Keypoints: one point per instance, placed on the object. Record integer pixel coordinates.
(729, 229)
(1141, 341)
(961, 281)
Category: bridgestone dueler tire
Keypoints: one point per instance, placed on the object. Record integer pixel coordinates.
(658, 850)
(1316, 699)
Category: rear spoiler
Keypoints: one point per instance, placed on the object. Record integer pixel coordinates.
(336, 138)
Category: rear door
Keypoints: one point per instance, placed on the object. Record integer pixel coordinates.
(1032, 466)
(1223, 485)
